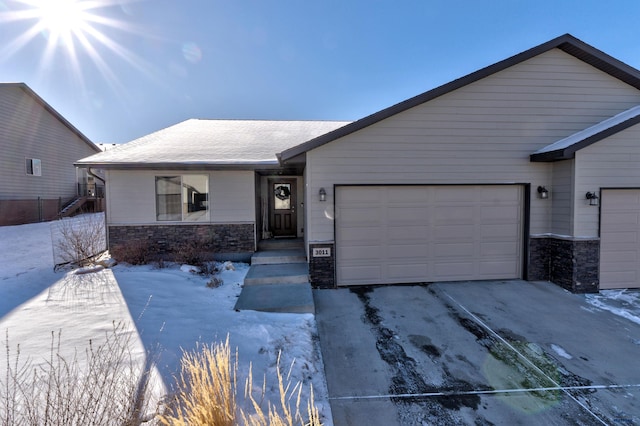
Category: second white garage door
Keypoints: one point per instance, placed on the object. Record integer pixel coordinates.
(407, 234)
(620, 239)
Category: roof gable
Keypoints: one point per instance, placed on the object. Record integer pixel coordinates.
(26, 89)
(566, 43)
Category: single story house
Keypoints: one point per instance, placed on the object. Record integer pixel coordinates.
(525, 169)
(39, 148)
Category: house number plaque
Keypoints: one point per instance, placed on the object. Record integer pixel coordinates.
(322, 252)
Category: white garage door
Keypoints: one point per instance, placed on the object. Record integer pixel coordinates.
(619, 239)
(406, 234)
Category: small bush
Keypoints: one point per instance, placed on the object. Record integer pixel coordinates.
(79, 240)
(191, 253)
(214, 282)
(136, 252)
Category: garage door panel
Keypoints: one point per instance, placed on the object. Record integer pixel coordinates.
(406, 271)
(498, 214)
(362, 274)
(407, 251)
(407, 194)
(360, 253)
(454, 250)
(407, 233)
(499, 232)
(453, 271)
(620, 239)
(362, 194)
(453, 232)
(491, 269)
(453, 215)
(406, 215)
(428, 233)
(496, 249)
(362, 216)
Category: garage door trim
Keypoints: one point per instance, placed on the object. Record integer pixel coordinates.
(524, 214)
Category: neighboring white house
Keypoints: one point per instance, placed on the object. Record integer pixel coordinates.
(527, 169)
(39, 146)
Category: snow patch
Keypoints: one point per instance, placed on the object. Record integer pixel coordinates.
(190, 269)
(560, 351)
(623, 303)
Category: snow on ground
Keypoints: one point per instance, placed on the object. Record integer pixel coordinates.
(624, 303)
(166, 311)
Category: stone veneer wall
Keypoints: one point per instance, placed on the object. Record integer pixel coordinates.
(163, 239)
(572, 264)
(322, 270)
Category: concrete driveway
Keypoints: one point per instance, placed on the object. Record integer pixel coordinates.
(476, 353)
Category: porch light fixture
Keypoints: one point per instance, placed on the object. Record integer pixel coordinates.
(543, 192)
(323, 194)
(593, 198)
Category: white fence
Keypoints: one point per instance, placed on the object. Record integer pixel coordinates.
(78, 238)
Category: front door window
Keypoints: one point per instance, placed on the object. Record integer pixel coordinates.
(282, 196)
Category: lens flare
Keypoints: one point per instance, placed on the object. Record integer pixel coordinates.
(83, 32)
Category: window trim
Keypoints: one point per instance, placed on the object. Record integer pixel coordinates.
(187, 197)
(33, 167)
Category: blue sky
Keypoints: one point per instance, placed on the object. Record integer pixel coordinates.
(148, 64)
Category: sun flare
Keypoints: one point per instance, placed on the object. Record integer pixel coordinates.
(82, 34)
(61, 19)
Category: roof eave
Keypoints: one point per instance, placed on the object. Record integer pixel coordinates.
(570, 151)
(177, 166)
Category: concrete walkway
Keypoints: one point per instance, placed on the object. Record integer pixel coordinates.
(277, 281)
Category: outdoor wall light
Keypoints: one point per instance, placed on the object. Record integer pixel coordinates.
(323, 194)
(543, 192)
(593, 198)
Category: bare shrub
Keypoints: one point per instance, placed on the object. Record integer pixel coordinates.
(191, 253)
(107, 388)
(136, 252)
(208, 388)
(78, 240)
(214, 282)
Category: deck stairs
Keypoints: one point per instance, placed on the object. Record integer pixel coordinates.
(278, 279)
(72, 207)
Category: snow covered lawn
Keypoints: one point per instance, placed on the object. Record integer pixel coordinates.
(167, 311)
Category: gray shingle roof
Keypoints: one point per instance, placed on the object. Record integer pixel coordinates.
(212, 143)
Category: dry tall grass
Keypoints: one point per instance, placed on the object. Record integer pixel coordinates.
(208, 389)
(107, 388)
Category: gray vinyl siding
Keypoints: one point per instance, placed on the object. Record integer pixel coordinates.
(610, 163)
(131, 196)
(28, 130)
(481, 133)
(562, 198)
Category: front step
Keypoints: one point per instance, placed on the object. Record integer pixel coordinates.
(291, 273)
(273, 257)
(281, 244)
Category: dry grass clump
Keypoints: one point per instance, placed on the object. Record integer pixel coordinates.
(208, 389)
(107, 387)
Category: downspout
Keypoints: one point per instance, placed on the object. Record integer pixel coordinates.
(106, 232)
